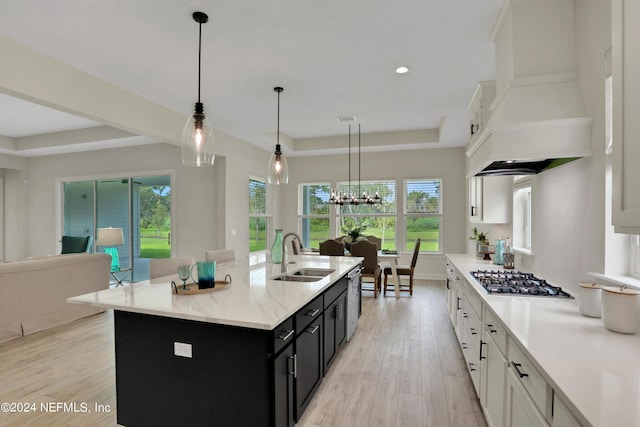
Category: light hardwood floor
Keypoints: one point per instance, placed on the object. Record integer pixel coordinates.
(402, 368)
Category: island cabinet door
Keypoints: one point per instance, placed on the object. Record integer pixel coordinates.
(308, 357)
(335, 329)
(284, 372)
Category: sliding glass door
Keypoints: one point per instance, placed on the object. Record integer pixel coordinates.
(141, 206)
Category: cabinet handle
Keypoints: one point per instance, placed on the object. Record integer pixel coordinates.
(465, 315)
(464, 345)
(516, 366)
(471, 367)
(286, 335)
(473, 331)
(313, 331)
(458, 305)
(473, 211)
(481, 344)
(490, 328)
(295, 366)
(339, 312)
(312, 313)
(448, 287)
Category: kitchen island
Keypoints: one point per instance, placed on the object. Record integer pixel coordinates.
(573, 370)
(252, 354)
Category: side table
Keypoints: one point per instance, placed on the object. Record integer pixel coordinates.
(126, 272)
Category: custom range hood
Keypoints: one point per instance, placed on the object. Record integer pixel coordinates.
(537, 120)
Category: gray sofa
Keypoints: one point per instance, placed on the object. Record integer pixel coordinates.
(33, 292)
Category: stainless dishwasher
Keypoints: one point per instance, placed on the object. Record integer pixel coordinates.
(353, 300)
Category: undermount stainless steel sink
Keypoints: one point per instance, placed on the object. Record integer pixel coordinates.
(318, 272)
(292, 278)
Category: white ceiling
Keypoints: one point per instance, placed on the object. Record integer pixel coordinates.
(333, 58)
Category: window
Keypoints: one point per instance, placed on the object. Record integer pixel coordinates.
(377, 220)
(522, 203)
(257, 215)
(314, 213)
(423, 214)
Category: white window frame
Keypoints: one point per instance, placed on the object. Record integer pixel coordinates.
(522, 214)
(266, 215)
(354, 189)
(407, 214)
(302, 216)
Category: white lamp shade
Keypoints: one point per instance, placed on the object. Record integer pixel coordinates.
(198, 142)
(110, 237)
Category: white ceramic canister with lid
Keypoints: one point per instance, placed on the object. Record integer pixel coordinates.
(621, 309)
(590, 299)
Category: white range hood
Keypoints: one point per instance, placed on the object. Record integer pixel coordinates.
(538, 119)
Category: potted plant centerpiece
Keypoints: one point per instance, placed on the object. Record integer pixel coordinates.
(482, 244)
(352, 234)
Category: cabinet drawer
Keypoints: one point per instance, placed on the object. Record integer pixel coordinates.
(334, 291)
(472, 324)
(309, 313)
(471, 357)
(495, 329)
(529, 376)
(283, 334)
(473, 300)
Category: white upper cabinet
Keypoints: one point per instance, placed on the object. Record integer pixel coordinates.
(478, 107)
(625, 57)
(490, 199)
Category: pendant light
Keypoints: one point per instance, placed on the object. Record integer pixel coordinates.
(353, 197)
(197, 136)
(278, 169)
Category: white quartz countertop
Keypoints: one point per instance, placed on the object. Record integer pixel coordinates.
(253, 299)
(595, 370)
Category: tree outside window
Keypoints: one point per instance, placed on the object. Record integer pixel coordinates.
(423, 214)
(257, 215)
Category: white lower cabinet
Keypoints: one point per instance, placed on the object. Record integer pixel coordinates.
(494, 370)
(512, 391)
(521, 410)
(562, 417)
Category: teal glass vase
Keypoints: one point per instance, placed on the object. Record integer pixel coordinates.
(276, 248)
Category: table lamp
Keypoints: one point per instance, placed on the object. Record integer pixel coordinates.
(109, 238)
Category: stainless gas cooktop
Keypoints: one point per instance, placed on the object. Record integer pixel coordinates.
(517, 283)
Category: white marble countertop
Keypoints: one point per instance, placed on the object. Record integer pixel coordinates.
(595, 370)
(253, 299)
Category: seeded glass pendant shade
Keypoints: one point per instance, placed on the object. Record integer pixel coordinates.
(197, 136)
(278, 172)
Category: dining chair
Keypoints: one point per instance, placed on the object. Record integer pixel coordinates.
(220, 256)
(376, 240)
(159, 267)
(332, 247)
(404, 270)
(370, 267)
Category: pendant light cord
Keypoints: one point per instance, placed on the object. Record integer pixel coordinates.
(199, 55)
(278, 126)
(359, 192)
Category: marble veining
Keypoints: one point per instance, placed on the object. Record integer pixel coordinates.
(253, 300)
(594, 369)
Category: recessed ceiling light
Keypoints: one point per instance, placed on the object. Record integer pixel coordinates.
(402, 70)
(346, 118)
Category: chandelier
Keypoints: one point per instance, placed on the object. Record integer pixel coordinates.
(349, 197)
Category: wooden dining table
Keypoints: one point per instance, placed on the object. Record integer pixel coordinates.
(382, 255)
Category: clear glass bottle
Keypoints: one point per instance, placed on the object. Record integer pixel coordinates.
(507, 246)
(276, 248)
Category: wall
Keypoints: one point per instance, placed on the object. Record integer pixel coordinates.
(205, 198)
(446, 163)
(569, 201)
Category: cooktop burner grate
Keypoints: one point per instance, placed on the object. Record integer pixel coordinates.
(516, 283)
